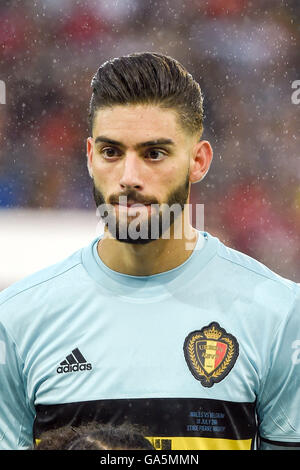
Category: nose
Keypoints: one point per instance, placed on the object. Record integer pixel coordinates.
(131, 173)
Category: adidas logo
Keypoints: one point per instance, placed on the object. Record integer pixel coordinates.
(73, 363)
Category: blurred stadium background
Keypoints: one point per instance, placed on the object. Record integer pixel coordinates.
(245, 55)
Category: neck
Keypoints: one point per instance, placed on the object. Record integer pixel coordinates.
(154, 257)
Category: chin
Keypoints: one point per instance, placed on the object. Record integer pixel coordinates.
(138, 241)
(126, 237)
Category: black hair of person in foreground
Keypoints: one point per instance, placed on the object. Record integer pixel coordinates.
(94, 436)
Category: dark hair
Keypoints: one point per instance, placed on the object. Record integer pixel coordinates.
(94, 436)
(148, 78)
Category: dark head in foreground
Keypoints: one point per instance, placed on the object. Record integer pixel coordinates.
(94, 436)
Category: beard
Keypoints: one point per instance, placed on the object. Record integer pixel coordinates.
(145, 229)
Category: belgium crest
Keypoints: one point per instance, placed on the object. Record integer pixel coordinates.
(210, 353)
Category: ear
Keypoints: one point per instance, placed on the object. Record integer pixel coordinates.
(89, 154)
(201, 159)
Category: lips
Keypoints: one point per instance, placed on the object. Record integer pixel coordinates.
(133, 208)
(132, 203)
(135, 204)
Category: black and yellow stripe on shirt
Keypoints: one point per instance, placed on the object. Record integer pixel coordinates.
(173, 423)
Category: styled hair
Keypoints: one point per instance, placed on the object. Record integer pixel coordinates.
(94, 436)
(148, 78)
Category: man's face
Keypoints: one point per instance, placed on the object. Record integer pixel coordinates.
(139, 161)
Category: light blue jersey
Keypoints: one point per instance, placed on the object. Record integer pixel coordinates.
(204, 356)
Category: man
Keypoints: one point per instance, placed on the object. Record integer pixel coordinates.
(155, 322)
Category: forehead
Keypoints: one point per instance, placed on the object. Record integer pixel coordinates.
(136, 122)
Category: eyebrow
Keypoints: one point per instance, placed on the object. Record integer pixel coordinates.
(102, 138)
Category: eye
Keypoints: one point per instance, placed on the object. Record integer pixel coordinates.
(109, 152)
(156, 154)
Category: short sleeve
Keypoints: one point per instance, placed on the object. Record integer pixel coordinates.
(279, 401)
(16, 417)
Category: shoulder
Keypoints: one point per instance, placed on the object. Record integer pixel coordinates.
(253, 280)
(22, 290)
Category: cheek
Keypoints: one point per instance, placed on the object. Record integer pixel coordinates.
(160, 183)
(173, 176)
(103, 173)
(102, 181)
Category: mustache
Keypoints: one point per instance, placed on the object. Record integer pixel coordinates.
(132, 196)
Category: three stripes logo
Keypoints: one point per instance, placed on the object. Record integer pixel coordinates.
(73, 363)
